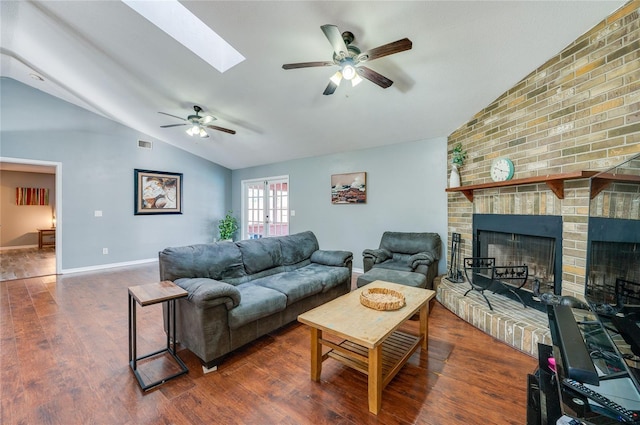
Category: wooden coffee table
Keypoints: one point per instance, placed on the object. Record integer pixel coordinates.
(371, 342)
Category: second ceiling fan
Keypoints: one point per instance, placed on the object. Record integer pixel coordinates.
(349, 58)
(197, 123)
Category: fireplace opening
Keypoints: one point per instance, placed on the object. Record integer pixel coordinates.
(614, 254)
(515, 240)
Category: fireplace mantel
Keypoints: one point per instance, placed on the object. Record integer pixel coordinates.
(554, 181)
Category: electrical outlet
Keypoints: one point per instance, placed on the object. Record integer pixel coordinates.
(97, 213)
(105, 251)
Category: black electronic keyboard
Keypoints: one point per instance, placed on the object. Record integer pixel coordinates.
(596, 370)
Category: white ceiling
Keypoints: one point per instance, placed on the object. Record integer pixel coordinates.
(104, 57)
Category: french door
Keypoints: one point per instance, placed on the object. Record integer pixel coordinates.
(265, 210)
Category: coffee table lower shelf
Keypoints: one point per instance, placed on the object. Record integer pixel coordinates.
(396, 351)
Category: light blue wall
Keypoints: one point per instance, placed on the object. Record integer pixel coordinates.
(98, 159)
(405, 192)
(405, 185)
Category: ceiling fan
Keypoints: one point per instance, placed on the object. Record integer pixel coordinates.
(197, 123)
(349, 58)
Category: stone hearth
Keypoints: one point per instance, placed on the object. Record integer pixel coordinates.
(509, 322)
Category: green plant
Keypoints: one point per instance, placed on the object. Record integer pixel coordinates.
(458, 155)
(228, 226)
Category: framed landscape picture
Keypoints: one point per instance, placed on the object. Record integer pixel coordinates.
(157, 192)
(349, 188)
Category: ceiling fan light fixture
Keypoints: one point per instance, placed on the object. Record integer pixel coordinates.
(336, 78)
(348, 72)
(356, 80)
(203, 133)
(194, 130)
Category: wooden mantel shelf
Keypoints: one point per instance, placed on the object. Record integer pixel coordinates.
(599, 183)
(554, 181)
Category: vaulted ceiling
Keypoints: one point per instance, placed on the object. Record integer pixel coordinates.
(104, 57)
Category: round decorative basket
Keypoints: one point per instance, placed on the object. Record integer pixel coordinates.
(382, 299)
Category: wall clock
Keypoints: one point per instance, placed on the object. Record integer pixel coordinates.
(501, 169)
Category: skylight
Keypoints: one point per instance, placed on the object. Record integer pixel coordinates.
(176, 20)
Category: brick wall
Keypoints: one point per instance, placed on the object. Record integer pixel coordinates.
(578, 111)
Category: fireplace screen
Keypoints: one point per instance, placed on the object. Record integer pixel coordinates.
(519, 240)
(510, 249)
(610, 261)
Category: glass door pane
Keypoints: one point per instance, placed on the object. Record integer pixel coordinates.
(266, 211)
(253, 226)
(278, 208)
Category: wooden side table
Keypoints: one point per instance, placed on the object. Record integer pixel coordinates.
(145, 295)
(50, 234)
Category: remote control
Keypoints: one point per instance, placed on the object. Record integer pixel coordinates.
(623, 414)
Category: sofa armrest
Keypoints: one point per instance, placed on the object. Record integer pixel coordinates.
(204, 292)
(377, 255)
(421, 258)
(332, 258)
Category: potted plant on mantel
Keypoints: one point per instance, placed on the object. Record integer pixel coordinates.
(458, 155)
(228, 226)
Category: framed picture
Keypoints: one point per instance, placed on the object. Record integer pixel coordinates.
(349, 188)
(157, 192)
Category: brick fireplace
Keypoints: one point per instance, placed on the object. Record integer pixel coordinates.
(579, 111)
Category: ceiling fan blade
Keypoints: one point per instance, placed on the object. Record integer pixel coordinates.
(172, 125)
(385, 50)
(374, 77)
(226, 130)
(335, 38)
(331, 87)
(174, 116)
(306, 64)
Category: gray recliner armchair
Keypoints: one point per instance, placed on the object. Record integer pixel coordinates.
(403, 257)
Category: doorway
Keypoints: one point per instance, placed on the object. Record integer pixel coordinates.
(36, 261)
(265, 209)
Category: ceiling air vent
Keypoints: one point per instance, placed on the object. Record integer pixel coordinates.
(144, 144)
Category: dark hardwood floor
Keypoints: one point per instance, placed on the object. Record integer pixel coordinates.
(64, 360)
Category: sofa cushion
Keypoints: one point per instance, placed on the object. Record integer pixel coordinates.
(329, 277)
(417, 280)
(260, 254)
(296, 284)
(298, 247)
(218, 261)
(256, 302)
(401, 264)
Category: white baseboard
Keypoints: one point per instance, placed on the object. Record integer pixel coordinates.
(108, 266)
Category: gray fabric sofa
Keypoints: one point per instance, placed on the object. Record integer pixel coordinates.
(239, 291)
(403, 257)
